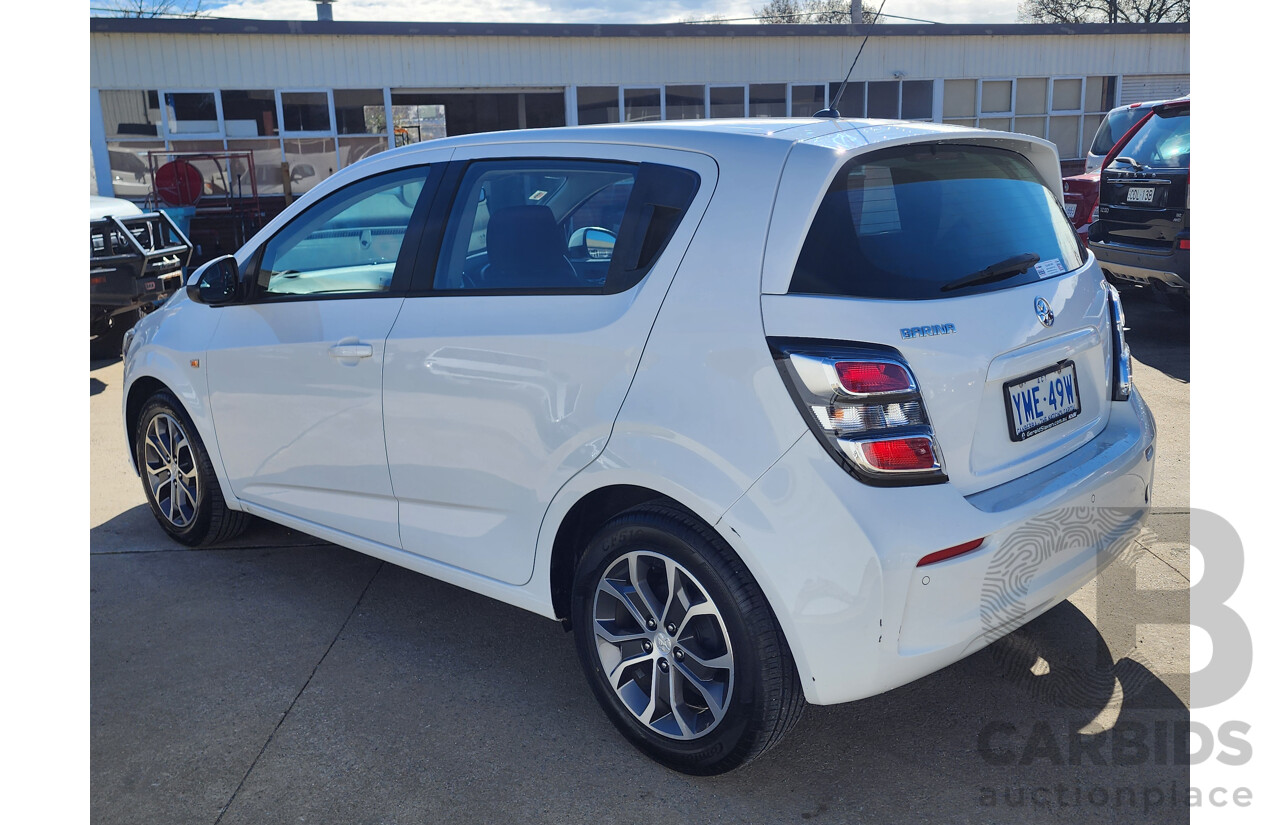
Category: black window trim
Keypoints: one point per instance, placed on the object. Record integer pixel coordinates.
(428, 255)
(406, 260)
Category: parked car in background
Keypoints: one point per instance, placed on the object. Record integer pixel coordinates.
(136, 260)
(1143, 231)
(768, 411)
(1113, 127)
(1080, 198)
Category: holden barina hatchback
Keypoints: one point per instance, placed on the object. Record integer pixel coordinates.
(767, 411)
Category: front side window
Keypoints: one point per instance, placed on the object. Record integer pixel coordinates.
(348, 243)
(917, 222)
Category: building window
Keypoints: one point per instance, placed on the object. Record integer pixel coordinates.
(642, 104)
(917, 100)
(807, 99)
(1066, 110)
(305, 111)
(192, 113)
(686, 102)
(728, 101)
(131, 114)
(249, 113)
(768, 100)
(597, 104)
(359, 111)
(995, 97)
(853, 103)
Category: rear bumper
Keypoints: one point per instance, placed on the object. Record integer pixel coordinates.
(837, 559)
(1171, 270)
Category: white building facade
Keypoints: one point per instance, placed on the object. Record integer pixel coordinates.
(307, 98)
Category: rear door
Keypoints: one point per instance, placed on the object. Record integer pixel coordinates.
(511, 357)
(961, 259)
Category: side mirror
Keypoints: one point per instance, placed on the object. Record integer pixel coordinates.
(216, 283)
(592, 243)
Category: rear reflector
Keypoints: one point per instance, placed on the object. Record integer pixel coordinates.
(862, 377)
(1184, 243)
(899, 454)
(950, 552)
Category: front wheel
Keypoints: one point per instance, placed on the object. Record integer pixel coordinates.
(178, 477)
(679, 645)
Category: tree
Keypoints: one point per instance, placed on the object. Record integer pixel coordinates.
(810, 11)
(1105, 11)
(153, 8)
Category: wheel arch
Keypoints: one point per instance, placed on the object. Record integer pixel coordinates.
(587, 515)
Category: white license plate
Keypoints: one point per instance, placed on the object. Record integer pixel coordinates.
(1041, 401)
(1071, 210)
(1141, 194)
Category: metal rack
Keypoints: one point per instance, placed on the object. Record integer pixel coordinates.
(229, 195)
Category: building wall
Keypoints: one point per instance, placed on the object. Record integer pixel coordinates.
(139, 61)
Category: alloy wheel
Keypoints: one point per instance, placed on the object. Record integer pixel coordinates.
(171, 470)
(663, 645)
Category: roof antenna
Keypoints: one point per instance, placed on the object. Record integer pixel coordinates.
(832, 111)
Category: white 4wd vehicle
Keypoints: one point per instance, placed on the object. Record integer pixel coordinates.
(769, 411)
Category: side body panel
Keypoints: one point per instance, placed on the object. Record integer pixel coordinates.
(494, 401)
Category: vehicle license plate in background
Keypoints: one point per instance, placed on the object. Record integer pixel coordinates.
(1143, 194)
(1043, 400)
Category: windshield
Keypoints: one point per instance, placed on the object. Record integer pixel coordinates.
(1163, 142)
(906, 222)
(1114, 127)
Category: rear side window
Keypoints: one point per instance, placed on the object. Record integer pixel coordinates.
(1114, 127)
(1163, 142)
(908, 223)
(560, 225)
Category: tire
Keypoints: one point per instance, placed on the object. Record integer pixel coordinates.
(727, 639)
(188, 503)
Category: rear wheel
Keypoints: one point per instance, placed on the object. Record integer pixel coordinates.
(178, 477)
(679, 645)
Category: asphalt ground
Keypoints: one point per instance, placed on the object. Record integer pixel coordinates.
(281, 679)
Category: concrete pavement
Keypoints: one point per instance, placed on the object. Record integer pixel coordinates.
(283, 679)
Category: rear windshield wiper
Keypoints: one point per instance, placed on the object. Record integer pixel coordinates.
(1007, 268)
(1132, 163)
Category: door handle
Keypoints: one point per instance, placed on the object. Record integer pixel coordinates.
(351, 351)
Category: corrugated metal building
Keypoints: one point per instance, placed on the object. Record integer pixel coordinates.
(306, 98)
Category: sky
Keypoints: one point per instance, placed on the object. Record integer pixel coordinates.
(584, 11)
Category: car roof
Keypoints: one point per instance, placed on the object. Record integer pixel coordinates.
(704, 135)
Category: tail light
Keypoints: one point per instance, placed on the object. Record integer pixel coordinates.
(1184, 243)
(864, 406)
(1121, 370)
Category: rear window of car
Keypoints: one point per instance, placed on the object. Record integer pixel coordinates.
(911, 222)
(1163, 142)
(1114, 127)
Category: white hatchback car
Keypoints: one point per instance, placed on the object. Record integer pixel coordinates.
(768, 411)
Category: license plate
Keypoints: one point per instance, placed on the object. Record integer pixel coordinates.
(1071, 210)
(1141, 194)
(1043, 400)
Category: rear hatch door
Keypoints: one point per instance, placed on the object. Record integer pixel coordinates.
(1014, 367)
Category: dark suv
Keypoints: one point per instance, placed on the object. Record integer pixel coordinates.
(1143, 231)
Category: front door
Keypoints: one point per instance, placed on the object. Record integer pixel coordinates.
(295, 373)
